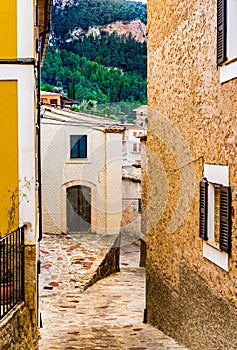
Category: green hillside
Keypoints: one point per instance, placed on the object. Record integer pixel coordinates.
(105, 68)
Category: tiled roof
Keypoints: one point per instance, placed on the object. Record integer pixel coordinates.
(114, 129)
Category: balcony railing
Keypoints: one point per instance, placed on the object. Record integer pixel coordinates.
(11, 270)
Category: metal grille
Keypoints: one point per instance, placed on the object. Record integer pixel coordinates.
(11, 270)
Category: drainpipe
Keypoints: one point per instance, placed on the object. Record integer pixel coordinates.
(39, 134)
(38, 48)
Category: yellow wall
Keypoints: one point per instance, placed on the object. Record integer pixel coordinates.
(8, 29)
(9, 199)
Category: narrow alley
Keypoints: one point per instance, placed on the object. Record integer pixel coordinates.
(107, 315)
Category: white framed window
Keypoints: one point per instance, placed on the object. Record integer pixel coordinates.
(79, 148)
(227, 39)
(215, 214)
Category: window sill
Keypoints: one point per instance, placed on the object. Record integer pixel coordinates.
(215, 255)
(228, 71)
(79, 161)
(213, 244)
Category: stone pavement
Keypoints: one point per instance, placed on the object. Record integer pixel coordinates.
(107, 315)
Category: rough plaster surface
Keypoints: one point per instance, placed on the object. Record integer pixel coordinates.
(192, 122)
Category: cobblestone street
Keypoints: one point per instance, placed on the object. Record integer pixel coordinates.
(107, 315)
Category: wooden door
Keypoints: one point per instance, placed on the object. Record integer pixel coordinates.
(78, 209)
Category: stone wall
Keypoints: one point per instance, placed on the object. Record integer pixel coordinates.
(19, 329)
(194, 315)
(131, 217)
(109, 263)
(192, 122)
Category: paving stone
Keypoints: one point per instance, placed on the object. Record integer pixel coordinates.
(107, 315)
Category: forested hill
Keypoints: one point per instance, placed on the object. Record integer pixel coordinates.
(71, 14)
(97, 50)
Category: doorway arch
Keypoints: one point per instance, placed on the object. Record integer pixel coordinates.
(78, 211)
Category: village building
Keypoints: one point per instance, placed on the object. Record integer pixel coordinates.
(56, 99)
(191, 186)
(50, 98)
(141, 116)
(131, 204)
(24, 32)
(131, 150)
(81, 173)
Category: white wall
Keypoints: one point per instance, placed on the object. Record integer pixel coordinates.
(101, 171)
(24, 75)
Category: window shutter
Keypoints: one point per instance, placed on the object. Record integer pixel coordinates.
(221, 31)
(225, 219)
(203, 209)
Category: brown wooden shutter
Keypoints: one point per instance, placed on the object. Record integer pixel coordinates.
(225, 219)
(203, 209)
(221, 31)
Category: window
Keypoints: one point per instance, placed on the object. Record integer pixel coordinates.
(54, 102)
(78, 146)
(139, 207)
(215, 222)
(136, 147)
(215, 214)
(227, 39)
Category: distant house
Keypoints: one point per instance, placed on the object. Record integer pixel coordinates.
(81, 173)
(56, 99)
(50, 98)
(141, 116)
(132, 144)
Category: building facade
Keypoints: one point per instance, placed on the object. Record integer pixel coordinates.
(191, 183)
(24, 30)
(81, 172)
(50, 98)
(141, 116)
(131, 143)
(131, 204)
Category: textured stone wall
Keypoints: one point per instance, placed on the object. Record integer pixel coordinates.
(192, 121)
(131, 218)
(19, 329)
(195, 315)
(109, 264)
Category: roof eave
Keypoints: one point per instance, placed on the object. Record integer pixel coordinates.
(45, 19)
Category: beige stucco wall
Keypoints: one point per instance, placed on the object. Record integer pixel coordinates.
(192, 122)
(96, 171)
(131, 217)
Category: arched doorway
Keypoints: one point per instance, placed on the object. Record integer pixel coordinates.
(78, 209)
